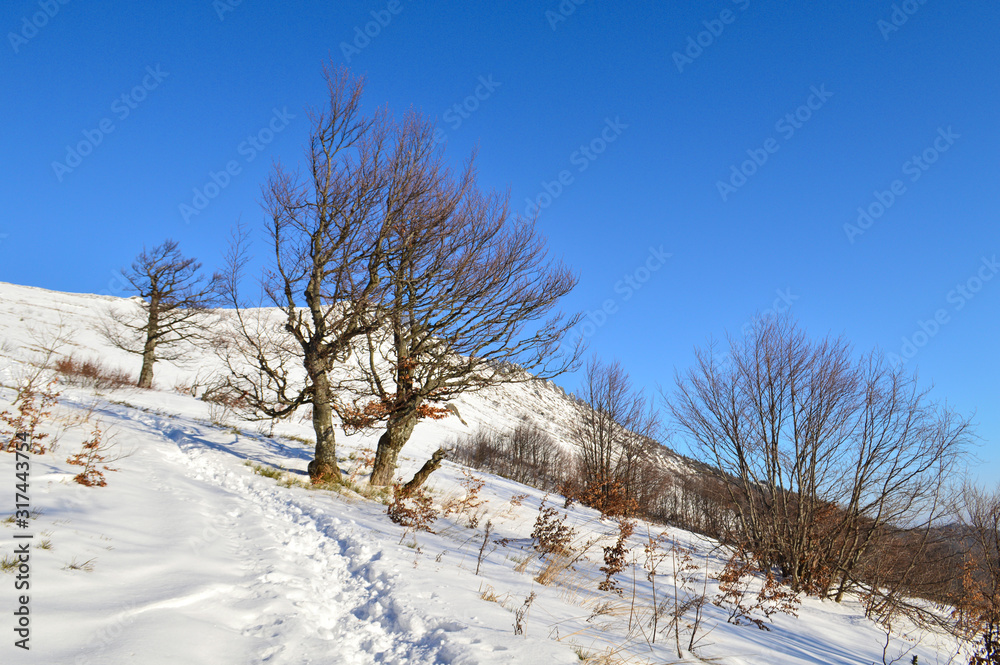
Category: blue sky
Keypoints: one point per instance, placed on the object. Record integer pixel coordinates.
(738, 137)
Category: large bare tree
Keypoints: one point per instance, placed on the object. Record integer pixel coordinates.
(469, 294)
(827, 453)
(383, 254)
(325, 232)
(172, 307)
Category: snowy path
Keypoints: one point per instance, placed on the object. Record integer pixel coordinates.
(317, 587)
(237, 569)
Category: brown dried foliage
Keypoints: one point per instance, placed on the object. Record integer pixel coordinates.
(412, 509)
(32, 406)
(356, 418)
(92, 373)
(551, 535)
(616, 557)
(94, 459)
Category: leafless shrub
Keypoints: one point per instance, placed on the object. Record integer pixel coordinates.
(482, 548)
(47, 344)
(737, 596)
(699, 503)
(223, 402)
(192, 386)
(685, 609)
(526, 455)
(92, 373)
(469, 503)
(521, 614)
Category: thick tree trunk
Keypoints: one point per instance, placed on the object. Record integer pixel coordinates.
(429, 467)
(149, 351)
(148, 358)
(397, 433)
(324, 467)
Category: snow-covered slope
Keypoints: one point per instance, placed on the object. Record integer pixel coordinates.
(190, 556)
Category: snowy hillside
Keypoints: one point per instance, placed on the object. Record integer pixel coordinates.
(191, 555)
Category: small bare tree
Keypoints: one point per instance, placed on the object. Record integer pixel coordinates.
(325, 233)
(172, 307)
(616, 431)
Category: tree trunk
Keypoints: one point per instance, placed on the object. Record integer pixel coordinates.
(429, 467)
(149, 350)
(148, 358)
(397, 433)
(324, 466)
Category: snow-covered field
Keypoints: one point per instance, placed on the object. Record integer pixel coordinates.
(189, 555)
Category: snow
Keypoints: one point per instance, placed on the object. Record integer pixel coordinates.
(189, 556)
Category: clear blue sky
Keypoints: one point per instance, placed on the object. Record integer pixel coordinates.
(646, 111)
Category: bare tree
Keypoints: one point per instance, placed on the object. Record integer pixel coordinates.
(828, 455)
(381, 253)
(616, 432)
(469, 295)
(325, 235)
(173, 303)
(978, 600)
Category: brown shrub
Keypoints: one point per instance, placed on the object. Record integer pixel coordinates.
(412, 509)
(616, 557)
(92, 373)
(94, 458)
(551, 535)
(33, 405)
